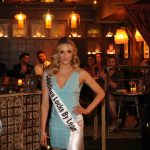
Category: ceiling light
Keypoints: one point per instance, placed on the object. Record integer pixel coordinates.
(121, 36)
(20, 17)
(74, 20)
(48, 20)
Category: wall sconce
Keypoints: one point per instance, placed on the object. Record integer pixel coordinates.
(48, 20)
(121, 36)
(138, 36)
(21, 18)
(74, 20)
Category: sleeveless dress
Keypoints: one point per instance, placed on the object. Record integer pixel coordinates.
(69, 94)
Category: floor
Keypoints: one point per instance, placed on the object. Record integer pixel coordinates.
(128, 137)
(123, 139)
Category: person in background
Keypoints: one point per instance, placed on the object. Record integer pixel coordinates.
(23, 68)
(87, 94)
(43, 63)
(3, 74)
(114, 75)
(99, 63)
(146, 73)
(90, 68)
(64, 79)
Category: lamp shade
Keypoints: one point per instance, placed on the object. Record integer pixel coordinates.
(20, 17)
(121, 36)
(48, 20)
(138, 36)
(74, 20)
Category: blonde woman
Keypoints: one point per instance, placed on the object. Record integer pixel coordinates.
(62, 81)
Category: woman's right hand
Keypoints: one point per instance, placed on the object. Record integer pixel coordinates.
(43, 139)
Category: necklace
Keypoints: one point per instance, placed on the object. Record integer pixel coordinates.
(66, 71)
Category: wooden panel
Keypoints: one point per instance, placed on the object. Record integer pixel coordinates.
(20, 115)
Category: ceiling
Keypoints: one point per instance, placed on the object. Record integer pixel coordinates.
(107, 11)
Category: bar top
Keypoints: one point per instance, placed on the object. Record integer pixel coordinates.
(20, 93)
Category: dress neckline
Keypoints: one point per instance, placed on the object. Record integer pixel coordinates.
(65, 83)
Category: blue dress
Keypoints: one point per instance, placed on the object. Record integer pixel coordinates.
(59, 133)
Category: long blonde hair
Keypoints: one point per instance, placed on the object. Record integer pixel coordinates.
(54, 67)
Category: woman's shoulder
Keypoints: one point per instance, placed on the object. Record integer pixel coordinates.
(47, 72)
(82, 72)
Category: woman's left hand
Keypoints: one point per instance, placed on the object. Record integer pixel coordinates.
(80, 110)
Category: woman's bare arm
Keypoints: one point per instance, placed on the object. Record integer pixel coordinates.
(86, 78)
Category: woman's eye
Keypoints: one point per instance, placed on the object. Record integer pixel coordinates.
(61, 52)
(69, 51)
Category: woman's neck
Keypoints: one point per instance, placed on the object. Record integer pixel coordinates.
(65, 68)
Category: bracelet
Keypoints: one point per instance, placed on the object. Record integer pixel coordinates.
(43, 133)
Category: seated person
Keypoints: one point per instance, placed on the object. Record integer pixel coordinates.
(43, 63)
(3, 74)
(146, 103)
(114, 84)
(146, 73)
(23, 68)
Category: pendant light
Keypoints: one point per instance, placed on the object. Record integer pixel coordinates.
(73, 20)
(121, 36)
(20, 18)
(48, 20)
(138, 36)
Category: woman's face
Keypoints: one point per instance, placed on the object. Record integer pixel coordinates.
(65, 53)
(111, 62)
(98, 58)
(90, 60)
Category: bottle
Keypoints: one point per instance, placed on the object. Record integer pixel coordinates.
(141, 86)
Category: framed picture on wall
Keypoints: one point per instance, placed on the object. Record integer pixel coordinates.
(3, 30)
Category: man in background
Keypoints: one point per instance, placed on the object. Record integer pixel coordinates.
(3, 74)
(23, 68)
(43, 63)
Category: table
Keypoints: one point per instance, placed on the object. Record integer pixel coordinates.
(137, 99)
(20, 115)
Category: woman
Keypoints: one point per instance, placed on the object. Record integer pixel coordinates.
(90, 68)
(66, 81)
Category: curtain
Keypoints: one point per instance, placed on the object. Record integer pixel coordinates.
(139, 14)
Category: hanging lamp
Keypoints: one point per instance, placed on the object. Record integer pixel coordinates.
(48, 20)
(138, 36)
(121, 36)
(20, 18)
(74, 20)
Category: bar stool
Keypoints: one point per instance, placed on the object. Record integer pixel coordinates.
(124, 102)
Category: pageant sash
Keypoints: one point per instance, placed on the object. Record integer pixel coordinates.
(75, 126)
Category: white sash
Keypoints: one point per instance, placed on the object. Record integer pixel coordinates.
(75, 126)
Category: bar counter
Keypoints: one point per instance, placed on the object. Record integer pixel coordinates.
(20, 116)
